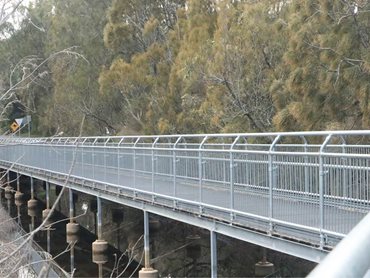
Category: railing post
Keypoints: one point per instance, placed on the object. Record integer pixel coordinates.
(344, 173)
(321, 190)
(64, 157)
(271, 181)
(119, 161)
(153, 165)
(82, 158)
(134, 160)
(105, 159)
(174, 161)
(82, 161)
(306, 178)
(200, 169)
(232, 199)
(93, 158)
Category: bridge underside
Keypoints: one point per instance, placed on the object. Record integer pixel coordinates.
(180, 212)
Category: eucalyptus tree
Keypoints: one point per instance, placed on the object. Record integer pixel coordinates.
(327, 67)
(78, 24)
(139, 35)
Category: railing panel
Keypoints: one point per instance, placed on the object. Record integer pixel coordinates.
(251, 183)
(317, 180)
(296, 190)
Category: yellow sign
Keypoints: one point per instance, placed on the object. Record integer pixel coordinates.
(14, 126)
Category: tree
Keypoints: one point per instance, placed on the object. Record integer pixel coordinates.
(25, 77)
(246, 50)
(326, 67)
(75, 82)
(138, 32)
(187, 85)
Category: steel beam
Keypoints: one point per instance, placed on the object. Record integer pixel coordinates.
(285, 246)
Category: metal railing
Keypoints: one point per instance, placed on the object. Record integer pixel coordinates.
(313, 186)
(350, 258)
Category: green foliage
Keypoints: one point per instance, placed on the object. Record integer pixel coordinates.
(189, 66)
(326, 80)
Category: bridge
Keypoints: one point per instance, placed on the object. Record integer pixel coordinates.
(298, 193)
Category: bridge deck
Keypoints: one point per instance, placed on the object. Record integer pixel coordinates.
(308, 193)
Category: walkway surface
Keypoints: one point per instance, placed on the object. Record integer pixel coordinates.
(308, 187)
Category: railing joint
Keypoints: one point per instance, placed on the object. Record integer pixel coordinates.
(232, 217)
(271, 230)
(201, 210)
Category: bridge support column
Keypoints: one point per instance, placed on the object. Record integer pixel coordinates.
(72, 230)
(32, 203)
(8, 192)
(99, 246)
(18, 194)
(18, 200)
(147, 271)
(263, 268)
(213, 254)
(47, 211)
(2, 184)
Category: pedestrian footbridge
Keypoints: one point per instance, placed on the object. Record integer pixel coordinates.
(299, 193)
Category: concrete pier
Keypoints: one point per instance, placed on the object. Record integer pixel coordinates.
(147, 271)
(8, 192)
(18, 194)
(99, 246)
(263, 268)
(32, 203)
(72, 228)
(47, 211)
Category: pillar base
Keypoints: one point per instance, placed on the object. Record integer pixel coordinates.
(148, 273)
(100, 246)
(72, 230)
(32, 204)
(45, 213)
(263, 269)
(72, 238)
(18, 202)
(8, 192)
(32, 212)
(18, 195)
(99, 251)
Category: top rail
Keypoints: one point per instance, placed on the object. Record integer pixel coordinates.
(119, 140)
(310, 180)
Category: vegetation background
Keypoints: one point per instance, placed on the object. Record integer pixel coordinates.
(177, 66)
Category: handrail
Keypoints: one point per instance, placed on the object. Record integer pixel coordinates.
(220, 135)
(309, 180)
(350, 258)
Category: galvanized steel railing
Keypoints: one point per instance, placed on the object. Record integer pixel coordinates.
(312, 186)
